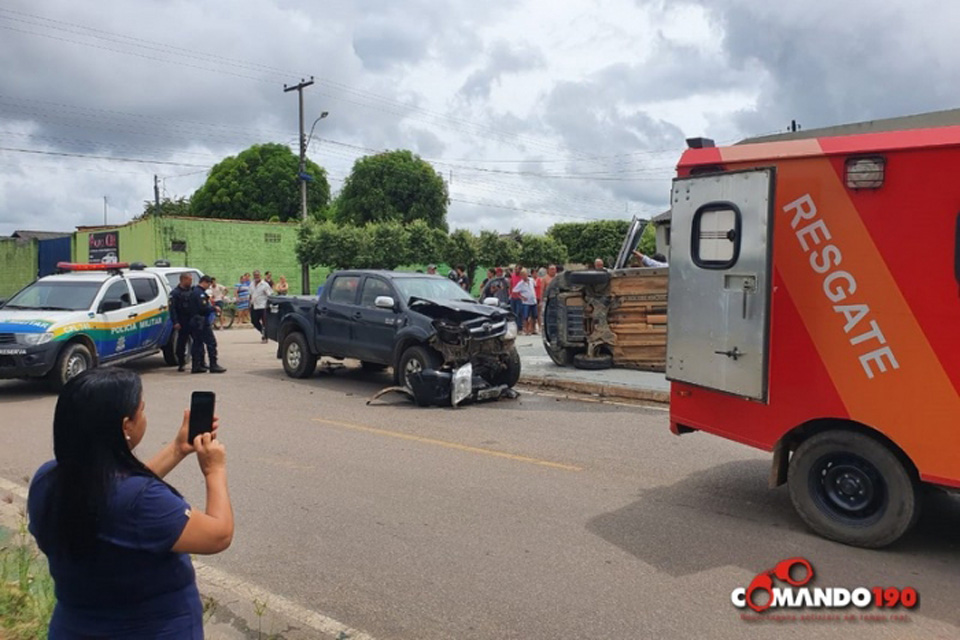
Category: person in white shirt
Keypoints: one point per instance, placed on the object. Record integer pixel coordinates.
(648, 261)
(528, 302)
(259, 291)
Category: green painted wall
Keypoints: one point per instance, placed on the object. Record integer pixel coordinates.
(222, 248)
(18, 264)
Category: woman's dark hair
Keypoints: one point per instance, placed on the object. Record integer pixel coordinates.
(91, 451)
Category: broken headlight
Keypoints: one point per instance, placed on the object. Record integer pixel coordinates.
(511, 333)
(462, 384)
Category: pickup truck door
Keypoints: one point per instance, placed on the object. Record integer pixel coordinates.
(116, 334)
(151, 309)
(335, 315)
(375, 328)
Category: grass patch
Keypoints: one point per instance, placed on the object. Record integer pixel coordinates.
(26, 588)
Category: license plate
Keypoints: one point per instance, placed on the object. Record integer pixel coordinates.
(488, 394)
(13, 352)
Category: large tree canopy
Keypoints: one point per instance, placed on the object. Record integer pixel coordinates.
(395, 186)
(260, 183)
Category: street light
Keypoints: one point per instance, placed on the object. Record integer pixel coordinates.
(304, 142)
(319, 118)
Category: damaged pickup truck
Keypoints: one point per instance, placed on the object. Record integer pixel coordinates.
(425, 327)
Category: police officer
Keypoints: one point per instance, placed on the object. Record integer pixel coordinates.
(201, 313)
(180, 314)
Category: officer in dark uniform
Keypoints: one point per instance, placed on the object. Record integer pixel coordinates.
(180, 314)
(201, 313)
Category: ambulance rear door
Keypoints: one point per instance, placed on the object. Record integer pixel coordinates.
(719, 288)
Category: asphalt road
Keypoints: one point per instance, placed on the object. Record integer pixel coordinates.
(536, 518)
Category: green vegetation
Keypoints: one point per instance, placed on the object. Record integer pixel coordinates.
(260, 183)
(395, 186)
(586, 241)
(26, 588)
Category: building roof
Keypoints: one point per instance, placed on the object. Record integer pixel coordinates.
(662, 217)
(40, 235)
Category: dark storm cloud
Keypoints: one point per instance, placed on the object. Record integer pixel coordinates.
(502, 59)
(829, 63)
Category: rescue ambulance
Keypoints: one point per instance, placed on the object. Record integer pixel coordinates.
(814, 312)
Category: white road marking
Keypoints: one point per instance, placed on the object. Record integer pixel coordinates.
(248, 591)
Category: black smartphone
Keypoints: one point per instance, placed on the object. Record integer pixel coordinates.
(201, 413)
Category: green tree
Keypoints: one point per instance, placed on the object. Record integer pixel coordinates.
(539, 251)
(389, 245)
(393, 186)
(494, 250)
(648, 240)
(463, 250)
(425, 243)
(168, 207)
(258, 184)
(586, 241)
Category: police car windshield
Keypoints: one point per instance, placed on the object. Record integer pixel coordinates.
(55, 296)
(432, 288)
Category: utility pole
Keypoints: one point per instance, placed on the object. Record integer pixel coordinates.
(305, 269)
(104, 210)
(156, 195)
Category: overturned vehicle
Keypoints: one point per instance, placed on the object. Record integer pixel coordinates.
(602, 318)
(443, 346)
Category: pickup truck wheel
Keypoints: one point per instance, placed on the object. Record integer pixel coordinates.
(851, 488)
(561, 356)
(72, 361)
(589, 277)
(510, 375)
(414, 360)
(298, 360)
(583, 361)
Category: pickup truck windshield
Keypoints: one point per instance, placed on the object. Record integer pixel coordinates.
(432, 288)
(55, 296)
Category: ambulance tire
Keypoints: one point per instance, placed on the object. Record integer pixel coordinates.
(852, 488)
(589, 277)
(583, 361)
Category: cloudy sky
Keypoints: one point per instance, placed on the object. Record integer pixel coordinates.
(534, 111)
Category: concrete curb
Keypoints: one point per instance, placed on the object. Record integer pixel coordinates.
(599, 389)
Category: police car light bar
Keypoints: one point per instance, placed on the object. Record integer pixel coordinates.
(79, 266)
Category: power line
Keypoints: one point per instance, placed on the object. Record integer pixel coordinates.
(96, 157)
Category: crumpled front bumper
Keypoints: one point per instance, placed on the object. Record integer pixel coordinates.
(438, 388)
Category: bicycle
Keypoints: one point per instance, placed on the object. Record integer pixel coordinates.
(225, 315)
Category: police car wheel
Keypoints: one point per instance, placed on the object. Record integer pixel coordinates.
(852, 488)
(73, 360)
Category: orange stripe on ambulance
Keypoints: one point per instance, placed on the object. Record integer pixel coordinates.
(839, 286)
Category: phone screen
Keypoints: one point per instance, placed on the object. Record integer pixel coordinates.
(201, 413)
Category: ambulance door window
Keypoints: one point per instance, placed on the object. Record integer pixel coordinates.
(716, 236)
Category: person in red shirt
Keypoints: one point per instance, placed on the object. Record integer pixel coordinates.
(516, 305)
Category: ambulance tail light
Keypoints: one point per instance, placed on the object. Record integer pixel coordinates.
(865, 173)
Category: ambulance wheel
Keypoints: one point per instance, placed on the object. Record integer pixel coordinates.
(851, 488)
(298, 360)
(73, 360)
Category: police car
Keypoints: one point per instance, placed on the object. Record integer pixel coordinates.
(87, 315)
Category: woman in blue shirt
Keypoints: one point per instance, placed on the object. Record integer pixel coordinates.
(116, 536)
